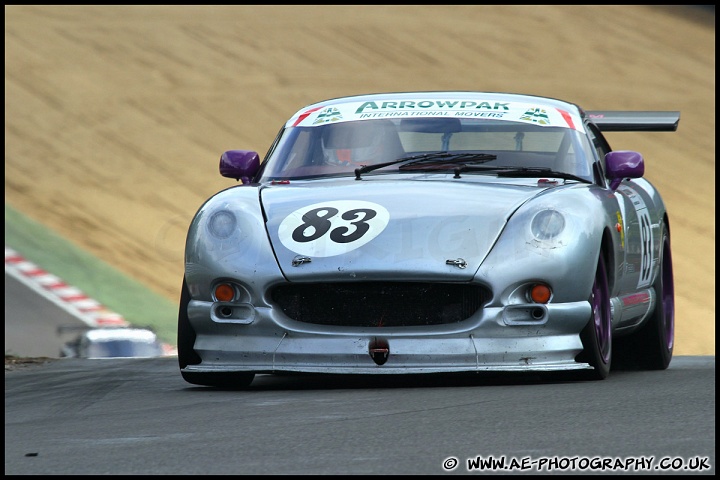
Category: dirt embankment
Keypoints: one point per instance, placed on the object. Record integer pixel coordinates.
(115, 116)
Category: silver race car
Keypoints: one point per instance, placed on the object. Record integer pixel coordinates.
(431, 232)
(111, 342)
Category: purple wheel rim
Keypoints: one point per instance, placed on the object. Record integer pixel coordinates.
(667, 296)
(601, 312)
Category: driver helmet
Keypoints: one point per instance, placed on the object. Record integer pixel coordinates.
(353, 144)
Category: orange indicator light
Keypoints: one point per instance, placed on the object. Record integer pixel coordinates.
(540, 293)
(224, 292)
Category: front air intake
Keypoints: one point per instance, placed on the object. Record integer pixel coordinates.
(380, 304)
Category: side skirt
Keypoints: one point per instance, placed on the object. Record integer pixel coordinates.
(630, 311)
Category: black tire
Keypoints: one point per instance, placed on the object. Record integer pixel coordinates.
(597, 335)
(185, 333)
(651, 347)
(232, 380)
(188, 356)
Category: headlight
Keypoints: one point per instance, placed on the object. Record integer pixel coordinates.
(222, 224)
(547, 224)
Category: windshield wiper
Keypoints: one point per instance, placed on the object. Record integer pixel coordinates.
(468, 158)
(510, 171)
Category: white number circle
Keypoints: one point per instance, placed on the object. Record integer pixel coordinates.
(332, 228)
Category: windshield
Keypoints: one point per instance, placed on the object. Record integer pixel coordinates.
(338, 149)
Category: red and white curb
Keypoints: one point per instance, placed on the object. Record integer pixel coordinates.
(67, 297)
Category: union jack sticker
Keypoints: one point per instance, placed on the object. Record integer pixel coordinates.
(327, 115)
(536, 115)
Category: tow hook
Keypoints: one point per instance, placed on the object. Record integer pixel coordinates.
(379, 350)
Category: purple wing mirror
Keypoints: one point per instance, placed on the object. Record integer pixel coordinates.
(622, 164)
(239, 164)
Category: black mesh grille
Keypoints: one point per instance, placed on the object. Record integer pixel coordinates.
(379, 304)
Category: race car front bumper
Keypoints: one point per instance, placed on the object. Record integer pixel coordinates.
(498, 339)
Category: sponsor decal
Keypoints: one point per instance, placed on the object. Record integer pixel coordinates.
(448, 105)
(536, 115)
(646, 239)
(621, 229)
(327, 115)
(302, 116)
(507, 111)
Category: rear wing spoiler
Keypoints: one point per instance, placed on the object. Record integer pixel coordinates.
(634, 121)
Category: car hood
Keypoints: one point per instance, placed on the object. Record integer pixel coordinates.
(401, 231)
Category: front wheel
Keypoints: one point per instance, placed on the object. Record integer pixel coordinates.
(234, 380)
(597, 335)
(188, 356)
(185, 333)
(651, 347)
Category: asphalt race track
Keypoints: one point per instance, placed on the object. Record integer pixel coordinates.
(138, 416)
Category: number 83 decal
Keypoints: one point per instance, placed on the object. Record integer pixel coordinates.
(332, 228)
